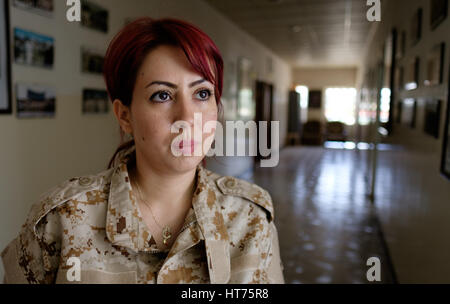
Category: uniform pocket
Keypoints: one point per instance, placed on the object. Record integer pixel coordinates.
(244, 263)
(98, 277)
(245, 269)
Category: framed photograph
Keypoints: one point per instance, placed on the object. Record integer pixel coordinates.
(416, 26)
(33, 49)
(246, 104)
(412, 74)
(94, 16)
(95, 101)
(35, 101)
(5, 66)
(408, 112)
(41, 7)
(438, 12)
(435, 65)
(92, 61)
(315, 99)
(432, 117)
(445, 158)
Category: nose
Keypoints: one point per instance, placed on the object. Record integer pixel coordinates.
(184, 109)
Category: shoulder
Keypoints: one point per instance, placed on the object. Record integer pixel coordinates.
(248, 216)
(242, 192)
(65, 192)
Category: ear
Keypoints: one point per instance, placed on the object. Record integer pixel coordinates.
(123, 115)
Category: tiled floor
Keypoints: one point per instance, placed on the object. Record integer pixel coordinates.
(326, 223)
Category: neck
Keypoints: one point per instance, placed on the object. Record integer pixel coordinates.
(163, 189)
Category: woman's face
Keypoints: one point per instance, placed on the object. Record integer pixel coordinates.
(168, 90)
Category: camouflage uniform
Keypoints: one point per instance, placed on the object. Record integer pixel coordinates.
(228, 236)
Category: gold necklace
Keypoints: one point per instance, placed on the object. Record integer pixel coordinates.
(166, 234)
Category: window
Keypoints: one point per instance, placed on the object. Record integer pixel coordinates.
(385, 105)
(340, 104)
(304, 93)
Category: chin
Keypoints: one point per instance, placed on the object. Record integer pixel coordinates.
(185, 163)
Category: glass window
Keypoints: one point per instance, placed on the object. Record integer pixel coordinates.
(340, 104)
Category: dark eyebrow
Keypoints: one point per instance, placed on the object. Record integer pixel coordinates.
(174, 86)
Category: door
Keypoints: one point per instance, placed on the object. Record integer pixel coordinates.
(264, 112)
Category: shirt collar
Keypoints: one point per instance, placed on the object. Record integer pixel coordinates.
(125, 227)
(124, 223)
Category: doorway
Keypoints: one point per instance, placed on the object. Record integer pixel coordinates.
(264, 112)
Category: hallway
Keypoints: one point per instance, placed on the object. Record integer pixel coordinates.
(321, 75)
(326, 224)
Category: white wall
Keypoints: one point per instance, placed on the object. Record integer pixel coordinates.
(37, 154)
(417, 222)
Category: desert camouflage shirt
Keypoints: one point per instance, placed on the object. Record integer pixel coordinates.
(94, 223)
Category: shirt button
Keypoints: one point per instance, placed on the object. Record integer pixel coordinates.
(230, 183)
(85, 181)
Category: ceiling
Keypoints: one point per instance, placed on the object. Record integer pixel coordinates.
(305, 33)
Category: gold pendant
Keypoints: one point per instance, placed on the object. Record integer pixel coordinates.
(166, 235)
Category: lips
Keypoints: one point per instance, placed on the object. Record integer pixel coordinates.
(186, 144)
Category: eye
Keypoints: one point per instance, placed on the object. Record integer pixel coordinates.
(204, 94)
(160, 96)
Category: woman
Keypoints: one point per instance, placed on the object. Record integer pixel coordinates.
(156, 215)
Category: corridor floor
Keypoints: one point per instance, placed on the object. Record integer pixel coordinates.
(326, 224)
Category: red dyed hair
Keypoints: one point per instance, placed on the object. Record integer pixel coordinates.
(132, 44)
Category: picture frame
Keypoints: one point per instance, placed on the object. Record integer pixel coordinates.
(435, 65)
(432, 117)
(5, 60)
(94, 16)
(92, 60)
(41, 7)
(315, 99)
(33, 49)
(445, 158)
(411, 80)
(35, 100)
(95, 101)
(438, 12)
(416, 26)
